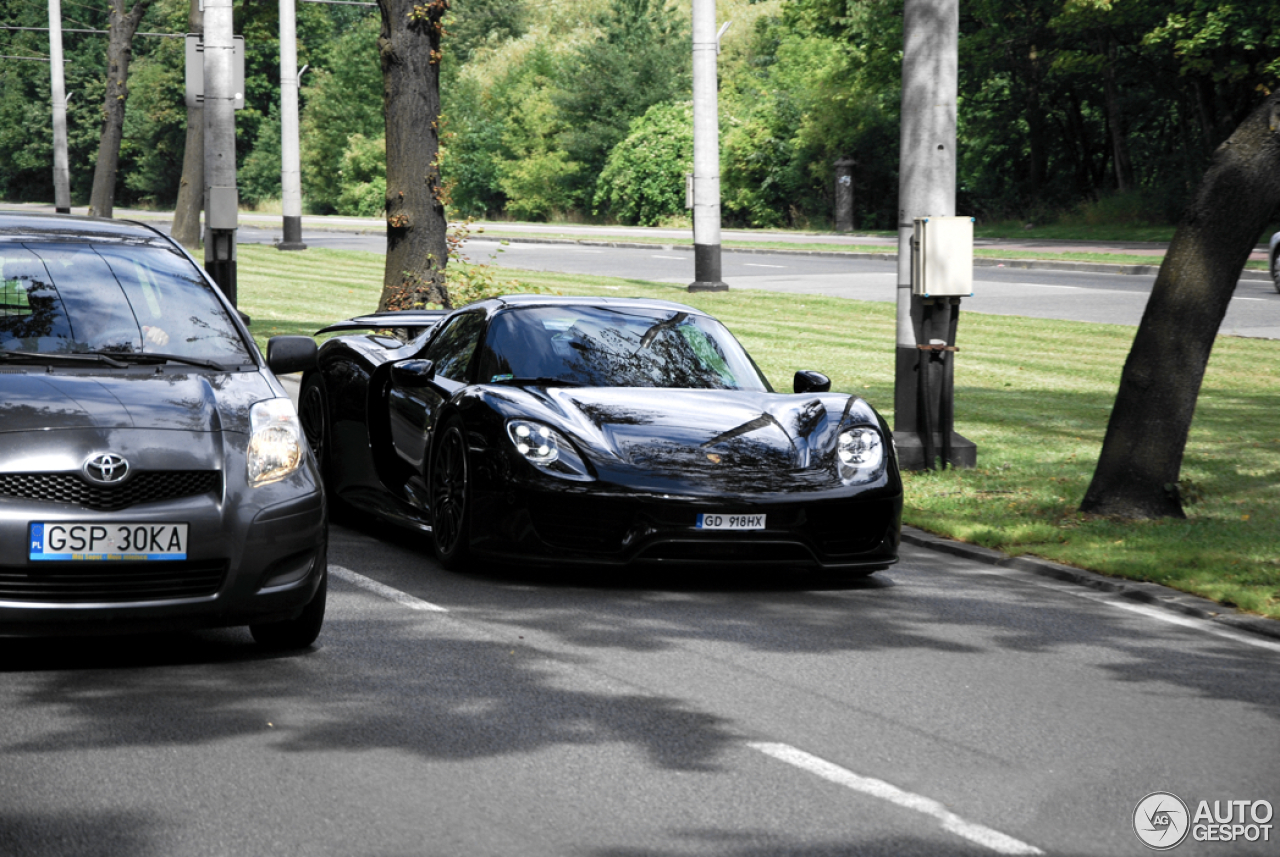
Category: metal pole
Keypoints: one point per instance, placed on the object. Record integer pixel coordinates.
(844, 194)
(58, 85)
(220, 198)
(926, 186)
(290, 160)
(706, 152)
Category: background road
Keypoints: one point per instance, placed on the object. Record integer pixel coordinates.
(1072, 295)
(941, 708)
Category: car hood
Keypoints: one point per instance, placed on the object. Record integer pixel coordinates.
(33, 401)
(715, 438)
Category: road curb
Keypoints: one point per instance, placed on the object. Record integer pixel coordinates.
(1145, 593)
(978, 261)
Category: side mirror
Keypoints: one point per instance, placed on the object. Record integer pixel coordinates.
(287, 354)
(808, 381)
(411, 373)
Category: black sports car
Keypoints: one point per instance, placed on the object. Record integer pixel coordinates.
(597, 430)
(153, 473)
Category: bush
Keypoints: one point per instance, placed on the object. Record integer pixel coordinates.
(362, 178)
(643, 178)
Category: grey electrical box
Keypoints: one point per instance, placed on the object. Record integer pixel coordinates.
(195, 71)
(942, 257)
(222, 208)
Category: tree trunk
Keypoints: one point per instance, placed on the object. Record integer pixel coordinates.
(1115, 121)
(409, 47)
(186, 213)
(1137, 472)
(119, 50)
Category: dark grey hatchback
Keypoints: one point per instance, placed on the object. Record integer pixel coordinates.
(153, 474)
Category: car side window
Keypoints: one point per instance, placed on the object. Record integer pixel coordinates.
(450, 352)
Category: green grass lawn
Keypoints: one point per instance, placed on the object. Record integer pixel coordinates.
(1033, 394)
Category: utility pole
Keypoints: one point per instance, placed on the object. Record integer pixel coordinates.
(290, 160)
(58, 85)
(221, 198)
(706, 152)
(926, 187)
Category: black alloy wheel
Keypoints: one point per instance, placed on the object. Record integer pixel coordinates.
(450, 496)
(313, 412)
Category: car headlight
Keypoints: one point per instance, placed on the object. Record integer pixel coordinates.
(547, 449)
(859, 455)
(275, 441)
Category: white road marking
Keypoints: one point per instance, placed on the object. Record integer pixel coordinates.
(754, 265)
(677, 258)
(401, 598)
(1191, 622)
(984, 836)
(1150, 612)
(1249, 299)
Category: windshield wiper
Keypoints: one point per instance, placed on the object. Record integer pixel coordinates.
(157, 357)
(68, 356)
(536, 382)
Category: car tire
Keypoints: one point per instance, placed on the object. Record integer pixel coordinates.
(313, 413)
(451, 496)
(296, 633)
(1275, 270)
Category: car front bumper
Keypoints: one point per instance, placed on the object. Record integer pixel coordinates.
(253, 555)
(828, 531)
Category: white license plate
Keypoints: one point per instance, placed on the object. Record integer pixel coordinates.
(106, 542)
(730, 522)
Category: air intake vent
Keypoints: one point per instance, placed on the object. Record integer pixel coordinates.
(78, 582)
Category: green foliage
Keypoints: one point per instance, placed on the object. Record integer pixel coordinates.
(341, 100)
(1063, 104)
(259, 179)
(364, 177)
(640, 58)
(475, 24)
(643, 179)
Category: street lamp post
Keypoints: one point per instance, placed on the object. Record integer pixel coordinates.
(926, 188)
(706, 152)
(290, 169)
(58, 85)
(221, 198)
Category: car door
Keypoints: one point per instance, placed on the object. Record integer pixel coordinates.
(414, 401)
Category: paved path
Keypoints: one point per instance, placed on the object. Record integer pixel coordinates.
(1030, 243)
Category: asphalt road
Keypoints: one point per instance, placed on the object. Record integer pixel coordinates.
(942, 708)
(1072, 295)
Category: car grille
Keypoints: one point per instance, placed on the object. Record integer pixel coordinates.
(142, 487)
(69, 583)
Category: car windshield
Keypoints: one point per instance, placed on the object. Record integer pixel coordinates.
(58, 298)
(615, 347)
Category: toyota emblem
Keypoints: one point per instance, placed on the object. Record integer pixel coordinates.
(106, 468)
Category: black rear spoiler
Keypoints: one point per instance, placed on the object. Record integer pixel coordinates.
(413, 319)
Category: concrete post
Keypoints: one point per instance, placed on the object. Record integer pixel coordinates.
(844, 194)
(290, 159)
(706, 152)
(221, 199)
(926, 186)
(58, 87)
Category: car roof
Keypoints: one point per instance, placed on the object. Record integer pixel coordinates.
(34, 226)
(514, 301)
